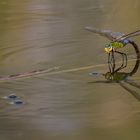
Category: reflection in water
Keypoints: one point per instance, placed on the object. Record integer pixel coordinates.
(115, 74)
(13, 99)
(112, 66)
(42, 34)
(119, 40)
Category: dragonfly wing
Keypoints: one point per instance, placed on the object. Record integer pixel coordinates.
(127, 36)
(106, 33)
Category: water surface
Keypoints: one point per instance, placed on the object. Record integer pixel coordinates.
(42, 34)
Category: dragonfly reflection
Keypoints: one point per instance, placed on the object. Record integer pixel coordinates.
(122, 78)
(119, 40)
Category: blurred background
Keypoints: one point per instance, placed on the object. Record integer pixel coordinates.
(42, 34)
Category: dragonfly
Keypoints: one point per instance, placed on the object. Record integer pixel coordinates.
(122, 78)
(118, 40)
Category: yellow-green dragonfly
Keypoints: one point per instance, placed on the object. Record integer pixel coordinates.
(118, 40)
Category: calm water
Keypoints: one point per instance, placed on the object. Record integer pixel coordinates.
(36, 34)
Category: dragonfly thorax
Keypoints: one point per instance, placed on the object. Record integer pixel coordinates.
(113, 46)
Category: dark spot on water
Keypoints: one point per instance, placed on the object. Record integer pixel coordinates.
(18, 102)
(95, 74)
(11, 97)
(14, 99)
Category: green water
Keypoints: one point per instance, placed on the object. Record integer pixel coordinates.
(42, 34)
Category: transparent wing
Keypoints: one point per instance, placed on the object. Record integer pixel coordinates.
(133, 34)
(106, 33)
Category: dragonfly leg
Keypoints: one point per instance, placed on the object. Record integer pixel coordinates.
(111, 61)
(124, 58)
(108, 57)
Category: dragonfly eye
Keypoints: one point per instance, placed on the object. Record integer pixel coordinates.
(108, 48)
(107, 45)
(108, 76)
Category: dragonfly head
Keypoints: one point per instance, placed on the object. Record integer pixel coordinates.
(108, 76)
(108, 48)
